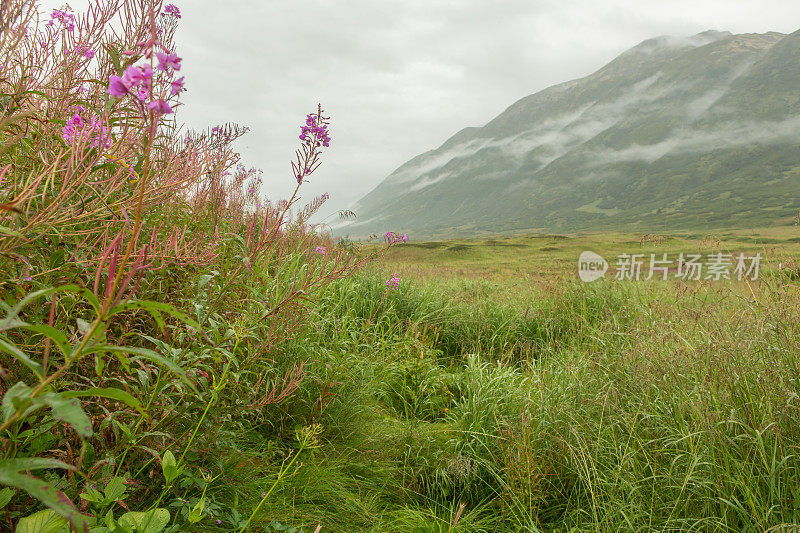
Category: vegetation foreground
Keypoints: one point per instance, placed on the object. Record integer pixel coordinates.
(180, 354)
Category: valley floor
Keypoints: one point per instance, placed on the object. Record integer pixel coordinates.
(493, 391)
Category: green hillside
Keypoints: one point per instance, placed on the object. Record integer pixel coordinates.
(674, 133)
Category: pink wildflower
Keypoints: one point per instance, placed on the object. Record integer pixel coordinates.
(67, 20)
(78, 129)
(172, 10)
(168, 62)
(117, 87)
(161, 107)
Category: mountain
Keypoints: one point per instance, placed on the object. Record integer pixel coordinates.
(697, 132)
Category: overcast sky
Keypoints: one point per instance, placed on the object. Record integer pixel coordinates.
(398, 78)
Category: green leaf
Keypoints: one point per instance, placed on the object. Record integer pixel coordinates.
(15, 399)
(92, 495)
(114, 56)
(115, 490)
(14, 312)
(145, 354)
(148, 522)
(5, 496)
(103, 166)
(9, 347)
(196, 514)
(12, 474)
(110, 393)
(12, 320)
(11, 233)
(87, 295)
(205, 278)
(70, 411)
(55, 335)
(169, 467)
(155, 307)
(46, 521)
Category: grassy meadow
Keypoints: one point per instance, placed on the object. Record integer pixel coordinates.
(179, 353)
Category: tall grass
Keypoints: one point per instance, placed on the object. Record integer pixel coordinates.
(663, 407)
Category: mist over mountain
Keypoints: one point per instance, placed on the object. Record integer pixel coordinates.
(697, 132)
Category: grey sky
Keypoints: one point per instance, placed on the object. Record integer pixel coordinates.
(398, 78)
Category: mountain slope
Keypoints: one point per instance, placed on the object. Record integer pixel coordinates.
(673, 133)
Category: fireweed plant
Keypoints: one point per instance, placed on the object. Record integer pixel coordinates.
(146, 286)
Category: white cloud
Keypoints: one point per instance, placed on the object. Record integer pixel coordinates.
(398, 78)
(686, 141)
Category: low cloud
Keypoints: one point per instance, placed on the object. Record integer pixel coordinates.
(691, 141)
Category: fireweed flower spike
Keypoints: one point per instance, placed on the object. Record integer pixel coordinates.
(394, 238)
(321, 250)
(393, 282)
(315, 136)
(67, 20)
(134, 77)
(77, 128)
(137, 80)
(171, 10)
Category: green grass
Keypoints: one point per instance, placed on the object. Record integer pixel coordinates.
(605, 407)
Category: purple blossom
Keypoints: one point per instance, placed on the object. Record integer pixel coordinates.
(176, 86)
(134, 77)
(78, 129)
(315, 132)
(85, 51)
(394, 238)
(393, 282)
(161, 107)
(171, 9)
(168, 62)
(67, 20)
(138, 75)
(117, 87)
(321, 250)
